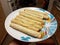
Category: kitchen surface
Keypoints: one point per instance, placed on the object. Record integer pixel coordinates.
(5, 38)
(2, 28)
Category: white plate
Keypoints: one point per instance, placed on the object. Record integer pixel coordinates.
(50, 28)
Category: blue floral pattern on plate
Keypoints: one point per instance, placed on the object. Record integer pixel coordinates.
(25, 38)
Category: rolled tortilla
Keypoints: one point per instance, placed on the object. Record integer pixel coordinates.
(28, 21)
(45, 15)
(34, 15)
(31, 17)
(25, 30)
(21, 23)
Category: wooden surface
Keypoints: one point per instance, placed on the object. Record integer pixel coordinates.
(56, 13)
(2, 29)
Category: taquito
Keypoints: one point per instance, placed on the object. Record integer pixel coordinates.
(31, 17)
(26, 30)
(21, 23)
(29, 22)
(45, 15)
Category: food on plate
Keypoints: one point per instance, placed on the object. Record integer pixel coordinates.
(22, 23)
(30, 22)
(31, 17)
(42, 15)
(25, 30)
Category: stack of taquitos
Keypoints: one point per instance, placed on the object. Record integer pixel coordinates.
(29, 22)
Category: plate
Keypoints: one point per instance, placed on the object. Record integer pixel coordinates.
(49, 27)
